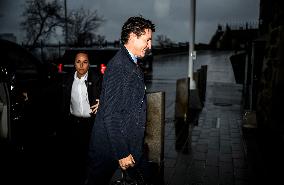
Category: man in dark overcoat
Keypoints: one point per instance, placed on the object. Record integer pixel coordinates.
(118, 133)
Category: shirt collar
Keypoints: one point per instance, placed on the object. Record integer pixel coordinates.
(132, 56)
(83, 78)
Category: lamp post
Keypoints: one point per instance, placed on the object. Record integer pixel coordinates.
(66, 24)
(191, 43)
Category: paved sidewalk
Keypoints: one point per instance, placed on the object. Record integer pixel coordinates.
(213, 151)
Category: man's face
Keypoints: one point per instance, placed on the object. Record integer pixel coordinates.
(142, 44)
(81, 64)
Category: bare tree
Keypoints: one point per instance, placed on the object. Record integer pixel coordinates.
(163, 40)
(41, 18)
(82, 26)
(100, 40)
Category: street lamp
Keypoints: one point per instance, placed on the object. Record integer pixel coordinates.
(66, 24)
(191, 43)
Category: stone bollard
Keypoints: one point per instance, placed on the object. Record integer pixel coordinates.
(154, 136)
(203, 81)
(182, 99)
(197, 76)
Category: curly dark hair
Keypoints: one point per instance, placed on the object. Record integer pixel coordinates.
(136, 25)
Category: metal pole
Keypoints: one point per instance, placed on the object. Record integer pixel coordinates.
(66, 25)
(251, 77)
(191, 43)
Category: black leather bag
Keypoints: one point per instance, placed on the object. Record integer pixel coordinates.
(126, 179)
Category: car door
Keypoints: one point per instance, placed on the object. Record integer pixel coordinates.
(28, 95)
(4, 107)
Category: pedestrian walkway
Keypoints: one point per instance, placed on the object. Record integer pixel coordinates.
(213, 151)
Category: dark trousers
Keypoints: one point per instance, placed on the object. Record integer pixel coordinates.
(75, 144)
(101, 172)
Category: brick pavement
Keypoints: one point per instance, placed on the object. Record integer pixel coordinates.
(212, 151)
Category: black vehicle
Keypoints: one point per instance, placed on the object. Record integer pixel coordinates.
(98, 57)
(26, 125)
(25, 81)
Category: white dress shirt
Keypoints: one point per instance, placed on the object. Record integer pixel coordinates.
(80, 105)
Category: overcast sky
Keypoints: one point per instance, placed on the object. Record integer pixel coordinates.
(171, 17)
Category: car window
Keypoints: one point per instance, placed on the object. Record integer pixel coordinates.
(19, 61)
(22, 63)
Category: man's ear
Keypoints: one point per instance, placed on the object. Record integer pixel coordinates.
(132, 36)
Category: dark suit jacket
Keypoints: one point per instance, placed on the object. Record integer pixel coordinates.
(120, 122)
(93, 87)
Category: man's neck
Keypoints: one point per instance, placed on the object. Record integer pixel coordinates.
(129, 48)
(134, 58)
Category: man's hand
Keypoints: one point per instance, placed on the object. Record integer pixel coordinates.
(126, 162)
(95, 107)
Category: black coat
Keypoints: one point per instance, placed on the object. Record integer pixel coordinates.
(120, 122)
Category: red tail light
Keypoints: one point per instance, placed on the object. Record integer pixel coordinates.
(59, 68)
(103, 68)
